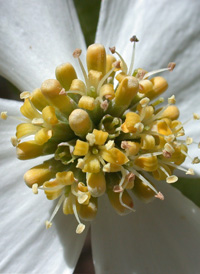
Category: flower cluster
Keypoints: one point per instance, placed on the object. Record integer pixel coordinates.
(107, 135)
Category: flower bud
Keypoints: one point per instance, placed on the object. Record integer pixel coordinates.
(80, 122)
(65, 74)
(96, 58)
(126, 91)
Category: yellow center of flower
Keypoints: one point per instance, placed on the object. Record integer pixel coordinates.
(101, 138)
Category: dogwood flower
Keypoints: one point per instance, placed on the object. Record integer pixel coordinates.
(161, 236)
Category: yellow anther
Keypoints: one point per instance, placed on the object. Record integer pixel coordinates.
(145, 86)
(147, 163)
(172, 179)
(196, 160)
(43, 135)
(190, 171)
(38, 175)
(88, 212)
(49, 115)
(126, 91)
(132, 119)
(35, 188)
(29, 111)
(100, 137)
(65, 177)
(143, 191)
(171, 112)
(65, 74)
(86, 102)
(78, 85)
(110, 144)
(96, 58)
(81, 148)
(147, 142)
(38, 99)
(114, 156)
(91, 165)
(80, 228)
(48, 224)
(189, 141)
(159, 86)
(90, 137)
(172, 100)
(196, 116)
(14, 141)
(4, 115)
(25, 94)
(29, 150)
(96, 184)
(107, 91)
(80, 122)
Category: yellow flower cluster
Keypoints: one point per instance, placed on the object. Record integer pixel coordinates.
(102, 137)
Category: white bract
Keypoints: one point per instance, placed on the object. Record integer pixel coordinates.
(161, 237)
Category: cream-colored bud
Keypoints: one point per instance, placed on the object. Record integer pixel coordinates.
(80, 122)
(96, 58)
(65, 74)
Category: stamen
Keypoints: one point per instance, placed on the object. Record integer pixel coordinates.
(170, 67)
(123, 204)
(172, 179)
(110, 144)
(144, 180)
(80, 228)
(76, 54)
(118, 189)
(171, 100)
(115, 65)
(160, 196)
(25, 94)
(60, 201)
(157, 102)
(132, 39)
(190, 171)
(14, 141)
(35, 188)
(90, 137)
(123, 66)
(196, 116)
(4, 115)
(189, 141)
(196, 160)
